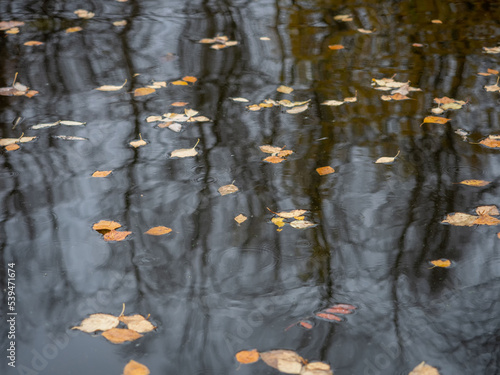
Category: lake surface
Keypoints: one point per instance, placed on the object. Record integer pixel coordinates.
(212, 286)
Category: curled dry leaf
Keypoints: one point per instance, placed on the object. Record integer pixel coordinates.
(135, 368)
(98, 322)
(228, 189)
(474, 182)
(101, 173)
(240, 218)
(121, 335)
(286, 361)
(143, 91)
(137, 323)
(114, 235)
(111, 87)
(284, 89)
(460, 219)
(443, 263)
(424, 369)
(240, 100)
(247, 356)
(325, 170)
(301, 224)
(159, 231)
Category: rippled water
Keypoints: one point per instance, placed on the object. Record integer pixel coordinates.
(214, 287)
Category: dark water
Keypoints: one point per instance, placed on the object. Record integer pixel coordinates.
(214, 287)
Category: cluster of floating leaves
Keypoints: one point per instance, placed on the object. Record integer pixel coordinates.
(172, 120)
(294, 218)
(278, 154)
(219, 42)
(108, 324)
(17, 89)
(109, 228)
(398, 90)
(484, 216)
(330, 314)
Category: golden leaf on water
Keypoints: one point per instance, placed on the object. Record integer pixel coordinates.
(284, 89)
(273, 159)
(12, 147)
(488, 210)
(254, 107)
(179, 83)
(137, 323)
(336, 47)
(190, 79)
(9, 141)
(121, 335)
(325, 170)
(297, 109)
(365, 31)
(73, 29)
(179, 104)
(387, 159)
(240, 100)
(343, 17)
(111, 87)
(33, 43)
(227, 189)
(12, 31)
(135, 368)
(247, 356)
(185, 152)
(424, 369)
(240, 218)
(5, 25)
(153, 118)
(492, 88)
(437, 21)
(491, 49)
(284, 153)
(106, 225)
(332, 102)
(115, 235)
(278, 221)
(270, 149)
(286, 361)
(435, 120)
(443, 263)
(316, 368)
(486, 219)
(474, 182)
(98, 322)
(101, 173)
(138, 142)
(290, 214)
(460, 219)
(82, 13)
(159, 231)
(491, 141)
(143, 91)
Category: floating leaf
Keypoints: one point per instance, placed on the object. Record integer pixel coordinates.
(264, 38)
(486, 220)
(460, 219)
(316, 368)
(474, 182)
(270, 149)
(254, 107)
(82, 13)
(153, 118)
(114, 235)
(48, 125)
(435, 120)
(325, 170)
(105, 225)
(278, 221)
(137, 323)
(5, 25)
(247, 356)
(338, 310)
(492, 141)
(111, 87)
(9, 141)
(336, 46)
(190, 79)
(492, 88)
(491, 49)
(98, 322)
(286, 361)
(332, 102)
(12, 147)
(240, 218)
(121, 335)
(364, 31)
(284, 89)
(301, 224)
(73, 29)
(185, 152)
(179, 104)
(343, 17)
(159, 231)
(437, 21)
(120, 23)
(71, 123)
(101, 173)
(305, 324)
(14, 30)
(70, 138)
(142, 91)
(290, 214)
(417, 45)
(33, 43)
(240, 100)
(298, 109)
(135, 368)
(227, 189)
(488, 210)
(329, 317)
(179, 83)
(443, 263)
(424, 369)
(138, 142)
(273, 159)
(387, 159)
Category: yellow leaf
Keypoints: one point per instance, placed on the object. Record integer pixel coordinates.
(115, 235)
(240, 218)
(101, 173)
(105, 225)
(474, 182)
(158, 231)
(137, 323)
(190, 79)
(120, 335)
(143, 91)
(325, 170)
(437, 21)
(336, 46)
(98, 322)
(82, 13)
(247, 356)
(284, 153)
(332, 102)
(444, 263)
(343, 18)
(488, 210)
(179, 104)
(111, 87)
(278, 221)
(254, 107)
(138, 143)
(33, 43)
(424, 369)
(135, 368)
(73, 29)
(486, 219)
(435, 120)
(179, 83)
(387, 159)
(14, 30)
(364, 31)
(227, 189)
(284, 89)
(492, 88)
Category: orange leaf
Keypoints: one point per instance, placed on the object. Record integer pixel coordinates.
(73, 29)
(120, 335)
(325, 170)
(437, 21)
(336, 46)
(33, 43)
(142, 91)
(305, 324)
(328, 316)
(474, 182)
(247, 356)
(101, 173)
(179, 104)
(190, 79)
(135, 368)
(338, 310)
(12, 147)
(399, 96)
(491, 142)
(106, 225)
(435, 120)
(273, 159)
(137, 323)
(443, 263)
(240, 218)
(115, 235)
(487, 220)
(158, 231)
(179, 83)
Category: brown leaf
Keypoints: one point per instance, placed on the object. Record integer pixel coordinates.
(286, 361)
(135, 368)
(5, 25)
(143, 91)
(137, 323)
(487, 220)
(33, 43)
(120, 335)
(159, 231)
(491, 141)
(435, 120)
(73, 29)
(284, 89)
(437, 21)
(247, 356)
(336, 46)
(105, 225)
(228, 189)
(460, 219)
(270, 149)
(284, 153)
(443, 263)
(240, 218)
(474, 182)
(424, 369)
(325, 170)
(101, 173)
(488, 210)
(114, 235)
(398, 96)
(98, 322)
(273, 159)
